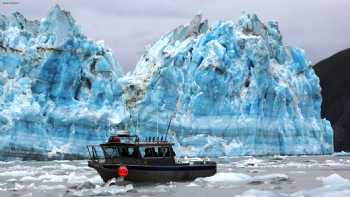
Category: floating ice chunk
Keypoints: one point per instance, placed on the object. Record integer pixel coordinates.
(74, 178)
(273, 178)
(17, 173)
(227, 177)
(85, 185)
(63, 161)
(18, 186)
(333, 186)
(28, 179)
(67, 167)
(297, 172)
(51, 178)
(341, 153)
(165, 188)
(50, 187)
(333, 163)
(334, 179)
(251, 162)
(112, 190)
(97, 180)
(192, 184)
(259, 193)
(29, 194)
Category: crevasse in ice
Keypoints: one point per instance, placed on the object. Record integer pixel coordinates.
(229, 89)
(58, 90)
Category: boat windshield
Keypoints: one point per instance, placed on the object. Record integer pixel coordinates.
(112, 152)
(151, 151)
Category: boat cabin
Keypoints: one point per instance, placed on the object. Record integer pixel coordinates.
(149, 160)
(129, 149)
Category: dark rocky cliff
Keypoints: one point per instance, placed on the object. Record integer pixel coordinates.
(334, 74)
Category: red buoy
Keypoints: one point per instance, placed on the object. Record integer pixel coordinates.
(123, 171)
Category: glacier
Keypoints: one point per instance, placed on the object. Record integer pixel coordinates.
(59, 90)
(224, 89)
(229, 89)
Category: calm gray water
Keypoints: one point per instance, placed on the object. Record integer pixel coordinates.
(304, 176)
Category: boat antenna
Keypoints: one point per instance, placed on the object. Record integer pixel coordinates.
(135, 124)
(129, 123)
(171, 118)
(109, 128)
(138, 123)
(157, 120)
(167, 130)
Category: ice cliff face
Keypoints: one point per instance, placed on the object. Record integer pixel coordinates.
(58, 90)
(230, 89)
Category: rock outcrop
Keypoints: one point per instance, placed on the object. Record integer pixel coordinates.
(334, 74)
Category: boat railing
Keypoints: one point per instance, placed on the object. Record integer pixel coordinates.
(95, 153)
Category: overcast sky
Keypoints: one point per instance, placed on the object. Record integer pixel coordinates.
(321, 27)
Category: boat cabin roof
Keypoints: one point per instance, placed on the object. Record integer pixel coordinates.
(134, 140)
(129, 149)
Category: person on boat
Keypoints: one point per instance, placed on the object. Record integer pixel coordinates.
(124, 152)
(153, 152)
(148, 152)
(135, 153)
(163, 152)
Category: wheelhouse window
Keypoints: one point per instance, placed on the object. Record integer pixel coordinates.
(120, 151)
(111, 152)
(129, 151)
(151, 151)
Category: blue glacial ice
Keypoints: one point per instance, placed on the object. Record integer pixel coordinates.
(229, 89)
(58, 90)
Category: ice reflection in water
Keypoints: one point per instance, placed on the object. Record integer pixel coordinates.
(238, 176)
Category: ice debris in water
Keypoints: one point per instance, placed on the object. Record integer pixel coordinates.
(259, 193)
(230, 89)
(333, 185)
(334, 179)
(227, 177)
(106, 190)
(224, 179)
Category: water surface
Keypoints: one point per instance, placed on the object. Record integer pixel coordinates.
(303, 176)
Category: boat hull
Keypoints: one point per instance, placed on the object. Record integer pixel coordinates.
(156, 173)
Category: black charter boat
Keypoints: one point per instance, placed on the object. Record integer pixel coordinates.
(127, 157)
